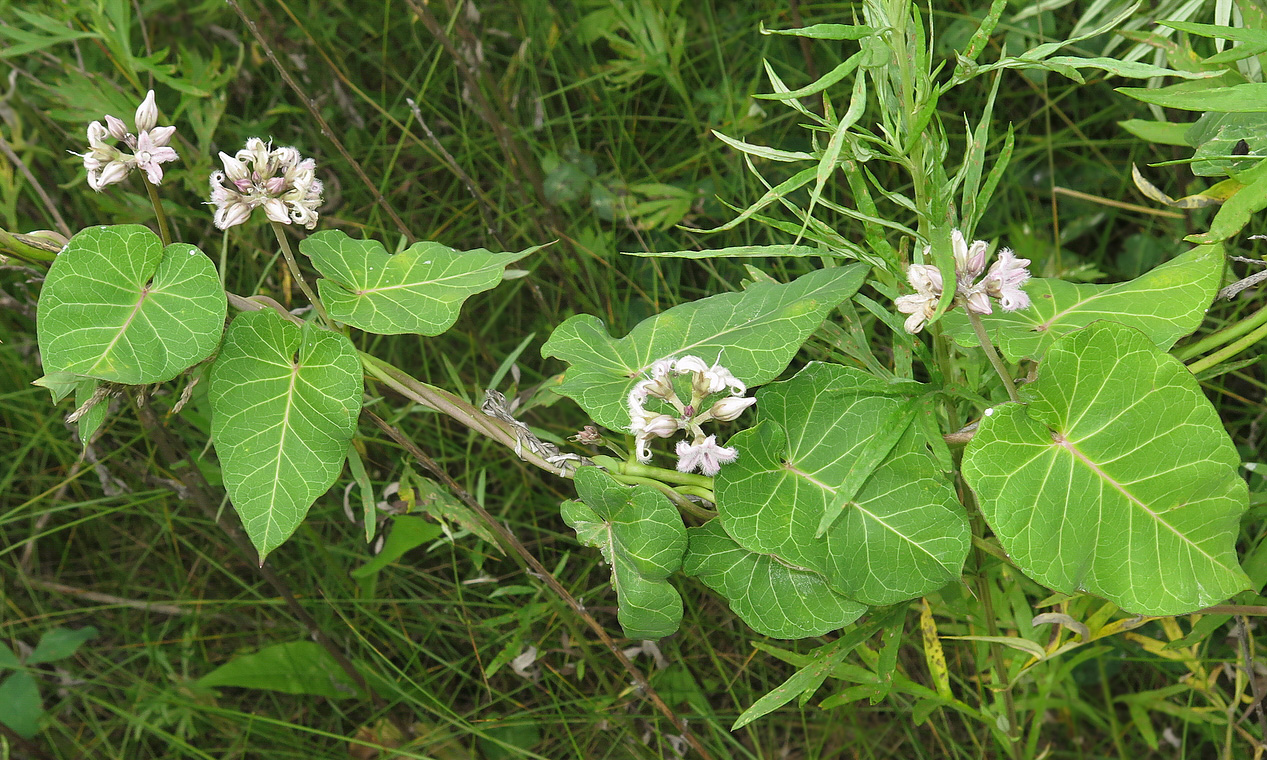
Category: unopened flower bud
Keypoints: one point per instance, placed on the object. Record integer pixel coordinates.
(146, 113)
(118, 130)
(232, 215)
(113, 172)
(731, 407)
(234, 168)
(162, 136)
(661, 426)
(588, 435)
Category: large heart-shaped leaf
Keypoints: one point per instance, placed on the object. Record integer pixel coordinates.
(419, 290)
(642, 537)
(754, 334)
(1117, 478)
(773, 598)
(1165, 303)
(901, 534)
(285, 402)
(118, 306)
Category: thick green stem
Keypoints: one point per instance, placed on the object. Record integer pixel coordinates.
(680, 501)
(1224, 336)
(1230, 350)
(1008, 384)
(164, 232)
(298, 276)
(666, 476)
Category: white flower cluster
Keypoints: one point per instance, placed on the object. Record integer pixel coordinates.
(279, 179)
(1003, 282)
(147, 150)
(702, 452)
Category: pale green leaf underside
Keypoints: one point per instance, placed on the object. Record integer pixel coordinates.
(1117, 478)
(285, 402)
(771, 597)
(642, 538)
(117, 306)
(419, 290)
(754, 334)
(1165, 303)
(904, 533)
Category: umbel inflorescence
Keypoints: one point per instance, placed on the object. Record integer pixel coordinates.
(701, 452)
(280, 180)
(1003, 282)
(147, 150)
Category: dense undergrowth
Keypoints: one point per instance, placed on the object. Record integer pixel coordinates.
(584, 123)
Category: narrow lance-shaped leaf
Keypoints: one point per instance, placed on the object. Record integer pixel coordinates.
(1116, 478)
(293, 667)
(903, 533)
(285, 402)
(419, 290)
(1165, 303)
(118, 306)
(754, 334)
(773, 598)
(642, 538)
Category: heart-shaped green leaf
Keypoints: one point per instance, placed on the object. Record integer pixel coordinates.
(1165, 303)
(118, 306)
(903, 533)
(1117, 478)
(642, 537)
(754, 334)
(285, 402)
(419, 290)
(773, 598)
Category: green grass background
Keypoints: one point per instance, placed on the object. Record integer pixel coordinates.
(581, 124)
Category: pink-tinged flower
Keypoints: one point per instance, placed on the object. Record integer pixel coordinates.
(1002, 282)
(147, 150)
(150, 156)
(922, 304)
(146, 114)
(969, 259)
(280, 180)
(705, 381)
(704, 455)
(1005, 278)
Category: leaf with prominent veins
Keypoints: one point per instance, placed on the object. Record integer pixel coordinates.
(753, 333)
(824, 448)
(1166, 303)
(118, 306)
(285, 401)
(773, 598)
(1116, 478)
(419, 290)
(642, 538)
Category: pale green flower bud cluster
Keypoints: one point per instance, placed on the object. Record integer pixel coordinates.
(1003, 282)
(280, 180)
(146, 150)
(702, 452)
